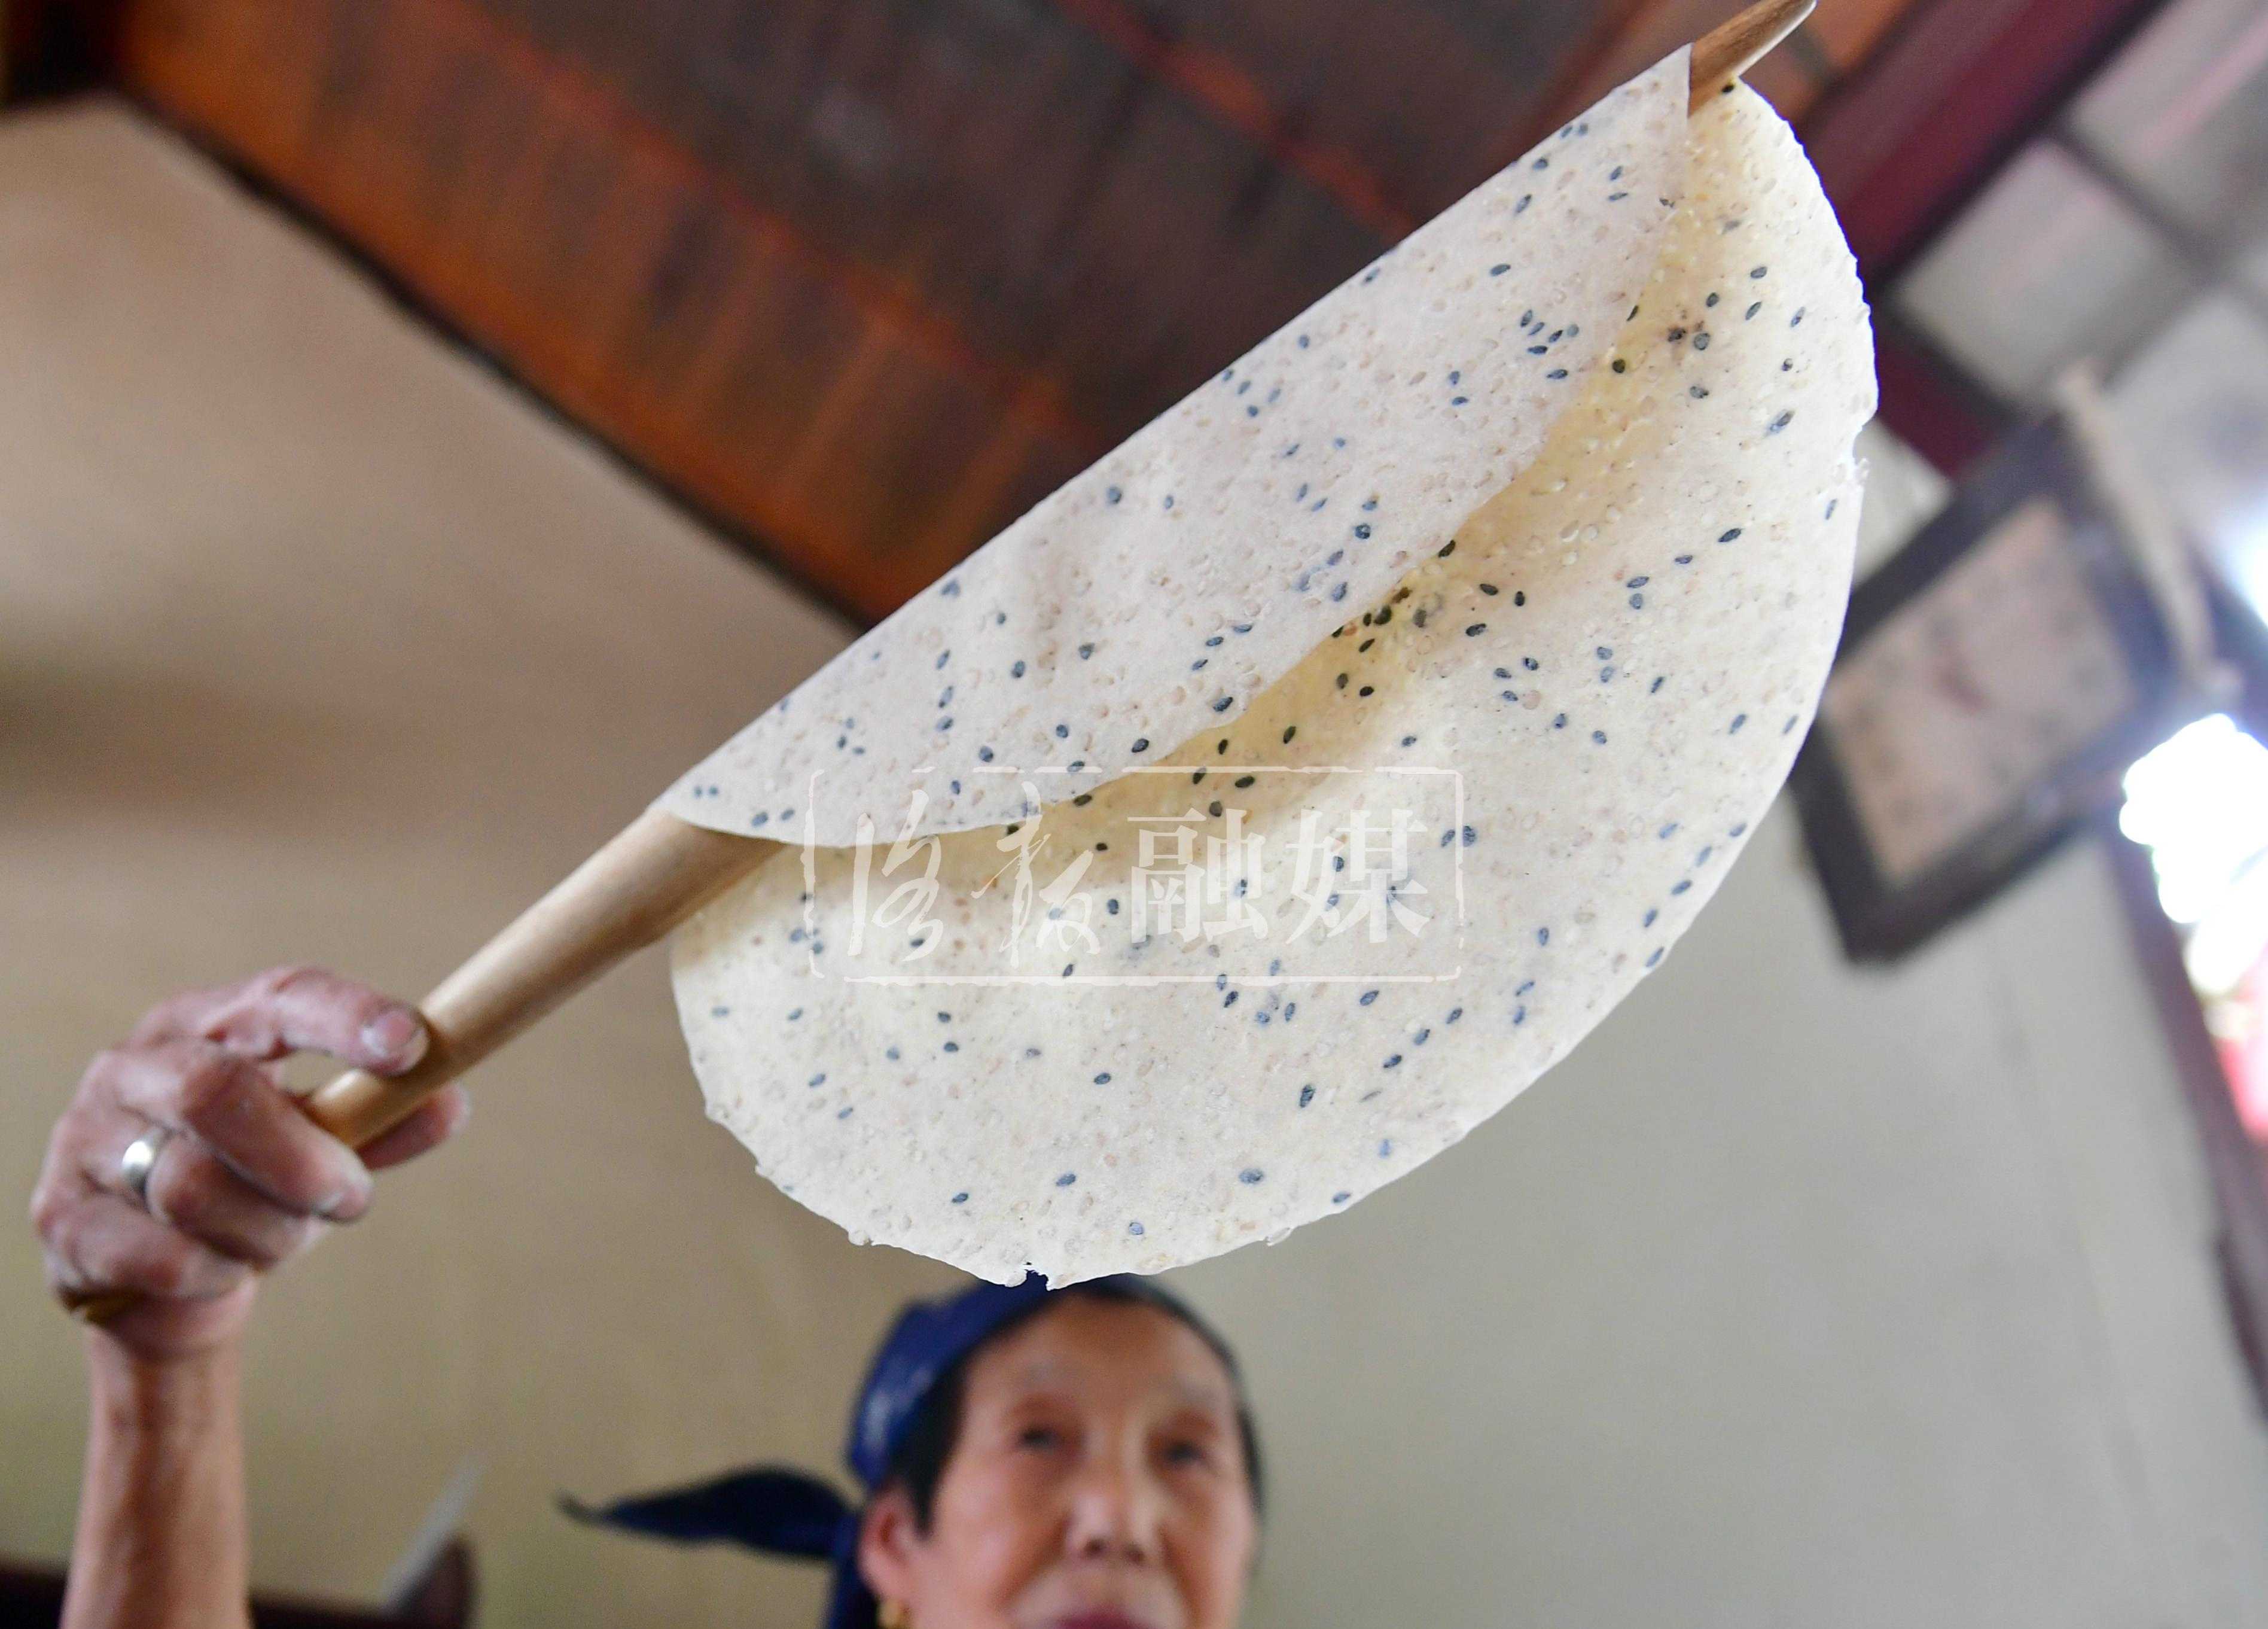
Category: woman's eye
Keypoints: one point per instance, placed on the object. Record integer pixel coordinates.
(1187, 1453)
(1041, 1437)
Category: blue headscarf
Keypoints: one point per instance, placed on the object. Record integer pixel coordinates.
(787, 1513)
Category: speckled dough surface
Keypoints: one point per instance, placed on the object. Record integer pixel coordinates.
(1160, 591)
(1618, 654)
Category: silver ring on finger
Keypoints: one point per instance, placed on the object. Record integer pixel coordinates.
(141, 1159)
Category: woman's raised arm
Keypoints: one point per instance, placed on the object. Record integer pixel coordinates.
(181, 1169)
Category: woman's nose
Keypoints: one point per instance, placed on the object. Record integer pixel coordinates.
(1114, 1516)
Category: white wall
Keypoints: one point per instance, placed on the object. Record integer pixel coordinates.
(1797, 1295)
(1800, 1295)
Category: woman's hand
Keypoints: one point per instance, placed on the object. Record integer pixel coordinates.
(242, 1179)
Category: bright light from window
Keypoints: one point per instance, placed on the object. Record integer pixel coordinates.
(2227, 945)
(2199, 801)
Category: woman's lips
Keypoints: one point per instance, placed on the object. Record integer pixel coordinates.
(1102, 1619)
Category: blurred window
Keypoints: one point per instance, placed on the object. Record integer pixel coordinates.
(2199, 804)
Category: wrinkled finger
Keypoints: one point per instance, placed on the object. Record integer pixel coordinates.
(251, 1122)
(104, 1243)
(294, 1009)
(183, 1015)
(432, 1122)
(191, 1189)
(94, 1121)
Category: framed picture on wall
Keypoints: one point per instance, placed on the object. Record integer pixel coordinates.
(1996, 677)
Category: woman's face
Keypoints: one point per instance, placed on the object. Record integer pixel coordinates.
(1098, 1482)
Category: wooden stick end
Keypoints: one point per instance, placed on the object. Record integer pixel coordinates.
(1730, 49)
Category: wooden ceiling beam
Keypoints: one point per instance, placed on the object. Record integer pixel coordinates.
(861, 280)
(1223, 89)
(357, 109)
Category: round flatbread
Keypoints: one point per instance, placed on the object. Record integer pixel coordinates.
(1582, 697)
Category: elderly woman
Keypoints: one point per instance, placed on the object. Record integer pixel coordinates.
(1079, 1460)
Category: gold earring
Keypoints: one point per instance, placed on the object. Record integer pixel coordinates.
(895, 1616)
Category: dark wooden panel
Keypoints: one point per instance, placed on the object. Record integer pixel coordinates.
(1848, 31)
(868, 439)
(1003, 160)
(45, 47)
(1928, 404)
(1391, 105)
(862, 279)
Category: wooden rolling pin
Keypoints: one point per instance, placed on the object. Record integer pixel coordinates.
(653, 875)
(660, 870)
